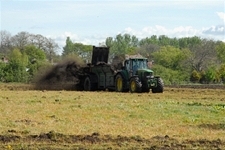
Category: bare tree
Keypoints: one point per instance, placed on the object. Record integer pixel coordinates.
(21, 40)
(203, 55)
(5, 42)
(147, 49)
(38, 40)
(50, 49)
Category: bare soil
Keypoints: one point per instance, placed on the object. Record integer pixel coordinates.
(53, 140)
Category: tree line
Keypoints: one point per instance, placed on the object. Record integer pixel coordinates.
(176, 60)
(23, 54)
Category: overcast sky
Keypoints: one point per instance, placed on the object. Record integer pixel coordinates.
(92, 21)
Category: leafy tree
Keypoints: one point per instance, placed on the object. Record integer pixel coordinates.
(78, 49)
(152, 40)
(34, 53)
(171, 64)
(210, 74)
(188, 42)
(109, 42)
(220, 49)
(36, 57)
(15, 71)
(68, 48)
(122, 44)
(168, 75)
(195, 76)
(171, 57)
(222, 73)
(164, 40)
(84, 51)
(2, 71)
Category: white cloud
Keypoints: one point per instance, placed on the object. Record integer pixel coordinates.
(215, 30)
(181, 31)
(221, 15)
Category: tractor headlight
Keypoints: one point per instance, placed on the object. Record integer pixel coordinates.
(149, 77)
(148, 74)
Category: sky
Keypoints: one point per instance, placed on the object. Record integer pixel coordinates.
(92, 21)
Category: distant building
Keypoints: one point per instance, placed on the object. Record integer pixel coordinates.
(4, 59)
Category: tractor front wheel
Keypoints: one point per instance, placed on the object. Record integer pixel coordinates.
(88, 85)
(159, 88)
(135, 85)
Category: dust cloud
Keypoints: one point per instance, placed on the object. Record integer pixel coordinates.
(62, 76)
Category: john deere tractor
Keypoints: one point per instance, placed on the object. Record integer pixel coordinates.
(136, 77)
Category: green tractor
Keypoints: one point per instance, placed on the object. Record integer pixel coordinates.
(136, 77)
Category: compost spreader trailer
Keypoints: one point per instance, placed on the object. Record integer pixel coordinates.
(134, 76)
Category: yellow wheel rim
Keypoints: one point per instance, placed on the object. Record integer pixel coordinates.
(119, 84)
(133, 86)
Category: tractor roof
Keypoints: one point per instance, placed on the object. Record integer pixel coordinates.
(138, 56)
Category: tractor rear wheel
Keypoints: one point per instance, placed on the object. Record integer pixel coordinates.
(120, 83)
(88, 85)
(159, 88)
(135, 85)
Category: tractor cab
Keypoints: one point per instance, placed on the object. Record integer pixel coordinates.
(137, 66)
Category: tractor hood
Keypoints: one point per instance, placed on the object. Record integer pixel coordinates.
(145, 70)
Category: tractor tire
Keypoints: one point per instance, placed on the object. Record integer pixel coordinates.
(120, 84)
(88, 85)
(159, 88)
(135, 85)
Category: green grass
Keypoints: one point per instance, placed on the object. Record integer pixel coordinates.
(183, 114)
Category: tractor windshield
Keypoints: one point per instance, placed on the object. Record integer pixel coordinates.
(143, 63)
(140, 64)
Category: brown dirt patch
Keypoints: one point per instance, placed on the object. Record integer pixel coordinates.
(53, 140)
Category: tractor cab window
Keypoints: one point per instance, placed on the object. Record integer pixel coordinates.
(135, 65)
(127, 65)
(140, 64)
(143, 64)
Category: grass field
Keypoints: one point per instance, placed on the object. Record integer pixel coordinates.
(179, 118)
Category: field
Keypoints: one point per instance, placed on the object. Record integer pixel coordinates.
(179, 118)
